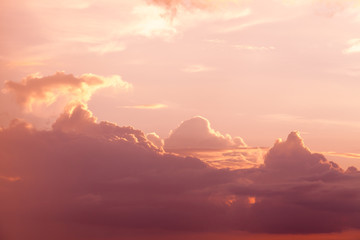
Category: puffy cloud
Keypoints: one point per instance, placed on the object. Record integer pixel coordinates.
(83, 177)
(155, 139)
(300, 191)
(197, 134)
(79, 120)
(293, 158)
(88, 180)
(35, 90)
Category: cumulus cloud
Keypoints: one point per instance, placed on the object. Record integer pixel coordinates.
(35, 90)
(197, 134)
(97, 176)
(295, 159)
(79, 120)
(300, 191)
(155, 139)
(88, 180)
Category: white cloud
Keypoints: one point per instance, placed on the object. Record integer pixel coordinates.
(197, 134)
(353, 46)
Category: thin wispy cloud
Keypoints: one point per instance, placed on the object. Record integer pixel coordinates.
(147, 106)
(10, 179)
(197, 68)
(302, 119)
(243, 26)
(254, 48)
(25, 63)
(345, 155)
(108, 47)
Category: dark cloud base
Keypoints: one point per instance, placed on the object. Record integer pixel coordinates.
(88, 180)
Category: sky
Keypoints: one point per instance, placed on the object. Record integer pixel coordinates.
(174, 119)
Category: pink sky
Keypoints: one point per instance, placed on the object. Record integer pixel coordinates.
(209, 85)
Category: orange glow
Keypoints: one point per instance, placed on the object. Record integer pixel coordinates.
(252, 200)
(10, 179)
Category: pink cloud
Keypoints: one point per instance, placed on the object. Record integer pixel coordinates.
(88, 180)
(36, 90)
(155, 139)
(173, 6)
(293, 158)
(330, 8)
(79, 120)
(197, 134)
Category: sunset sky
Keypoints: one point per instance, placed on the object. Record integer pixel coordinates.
(163, 119)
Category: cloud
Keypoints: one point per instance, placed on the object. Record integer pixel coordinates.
(147, 106)
(329, 8)
(240, 158)
(36, 90)
(249, 24)
(10, 179)
(196, 69)
(325, 8)
(25, 63)
(107, 47)
(300, 191)
(86, 180)
(345, 155)
(294, 159)
(197, 134)
(79, 120)
(155, 139)
(254, 48)
(354, 46)
(83, 177)
(173, 6)
(196, 138)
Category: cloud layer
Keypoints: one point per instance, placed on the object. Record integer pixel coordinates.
(89, 180)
